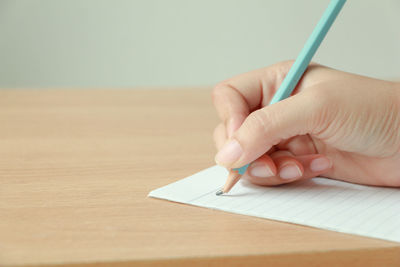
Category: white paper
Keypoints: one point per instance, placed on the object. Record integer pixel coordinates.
(319, 202)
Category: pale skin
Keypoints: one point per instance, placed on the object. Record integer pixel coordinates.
(336, 124)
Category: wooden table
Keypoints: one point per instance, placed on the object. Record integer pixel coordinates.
(75, 170)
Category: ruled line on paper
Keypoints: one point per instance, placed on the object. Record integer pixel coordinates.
(319, 202)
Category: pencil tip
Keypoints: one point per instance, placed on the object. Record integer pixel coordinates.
(219, 192)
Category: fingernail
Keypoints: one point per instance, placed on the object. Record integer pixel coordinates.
(229, 153)
(320, 164)
(260, 170)
(290, 171)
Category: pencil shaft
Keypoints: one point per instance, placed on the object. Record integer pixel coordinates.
(303, 59)
(300, 65)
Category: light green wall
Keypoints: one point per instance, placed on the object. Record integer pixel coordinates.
(90, 43)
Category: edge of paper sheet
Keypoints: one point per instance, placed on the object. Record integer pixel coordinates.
(181, 199)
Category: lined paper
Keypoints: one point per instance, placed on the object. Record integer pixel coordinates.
(318, 202)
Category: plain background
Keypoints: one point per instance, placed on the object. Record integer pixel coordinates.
(183, 43)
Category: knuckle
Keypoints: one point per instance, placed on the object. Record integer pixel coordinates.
(218, 90)
(285, 65)
(288, 63)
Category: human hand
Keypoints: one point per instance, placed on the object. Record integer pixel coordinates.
(336, 124)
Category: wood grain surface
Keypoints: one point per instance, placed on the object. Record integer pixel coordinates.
(75, 170)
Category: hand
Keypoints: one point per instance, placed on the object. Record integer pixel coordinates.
(339, 125)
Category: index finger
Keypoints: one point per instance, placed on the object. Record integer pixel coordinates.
(235, 98)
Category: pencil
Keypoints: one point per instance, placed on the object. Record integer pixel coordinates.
(295, 73)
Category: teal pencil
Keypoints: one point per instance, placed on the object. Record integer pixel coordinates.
(296, 71)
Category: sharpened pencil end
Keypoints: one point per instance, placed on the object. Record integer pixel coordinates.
(219, 192)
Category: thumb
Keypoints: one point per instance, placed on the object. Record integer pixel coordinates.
(266, 127)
